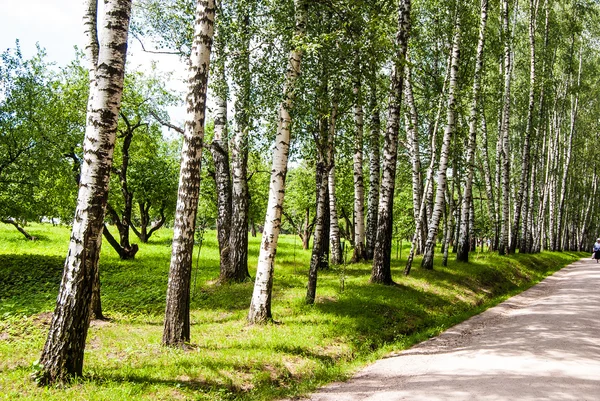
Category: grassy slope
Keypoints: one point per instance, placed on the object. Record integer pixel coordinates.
(353, 322)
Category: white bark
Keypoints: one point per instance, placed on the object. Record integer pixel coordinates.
(428, 253)
(334, 227)
(464, 238)
(177, 320)
(63, 352)
(359, 190)
(381, 270)
(504, 132)
(260, 306)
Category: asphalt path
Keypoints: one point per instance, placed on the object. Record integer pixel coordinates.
(543, 344)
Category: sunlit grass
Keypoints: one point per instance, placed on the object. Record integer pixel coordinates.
(351, 323)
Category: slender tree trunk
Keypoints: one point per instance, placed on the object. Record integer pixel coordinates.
(318, 251)
(568, 152)
(374, 172)
(462, 253)
(219, 149)
(260, 306)
(359, 190)
(381, 271)
(412, 136)
(504, 132)
(521, 194)
(487, 175)
(334, 227)
(427, 262)
(62, 357)
(238, 240)
(448, 224)
(421, 222)
(177, 312)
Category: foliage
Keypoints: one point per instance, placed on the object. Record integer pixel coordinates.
(38, 130)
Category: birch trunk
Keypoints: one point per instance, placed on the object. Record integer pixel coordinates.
(260, 306)
(567, 162)
(463, 249)
(421, 222)
(334, 227)
(359, 190)
(412, 135)
(238, 240)
(374, 172)
(63, 353)
(177, 312)
(318, 251)
(428, 253)
(505, 131)
(487, 175)
(219, 149)
(381, 271)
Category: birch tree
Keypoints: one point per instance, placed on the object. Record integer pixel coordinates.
(63, 353)
(436, 215)
(176, 330)
(464, 239)
(374, 172)
(359, 190)
(381, 270)
(504, 131)
(260, 306)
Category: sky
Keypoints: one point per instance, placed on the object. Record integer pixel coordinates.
(57, 26)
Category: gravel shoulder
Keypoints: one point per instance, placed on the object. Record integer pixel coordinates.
(542, 344)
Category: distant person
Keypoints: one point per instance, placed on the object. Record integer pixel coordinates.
(596, 254)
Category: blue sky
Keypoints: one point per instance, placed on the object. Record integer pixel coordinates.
(57, 26)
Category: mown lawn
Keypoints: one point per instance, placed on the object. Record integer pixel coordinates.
(353, 322)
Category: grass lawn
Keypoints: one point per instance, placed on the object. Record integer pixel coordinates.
(353, 322)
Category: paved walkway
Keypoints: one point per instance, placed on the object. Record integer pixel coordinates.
(543, 344)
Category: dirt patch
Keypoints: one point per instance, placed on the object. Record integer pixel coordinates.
(42, 319)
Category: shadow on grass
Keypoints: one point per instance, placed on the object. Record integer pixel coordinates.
(29, 283)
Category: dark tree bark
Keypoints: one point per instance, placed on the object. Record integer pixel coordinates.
(19, 228)
(144, 233)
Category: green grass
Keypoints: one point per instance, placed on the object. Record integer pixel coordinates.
(353, 322)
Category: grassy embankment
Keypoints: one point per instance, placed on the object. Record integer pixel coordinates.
(353, 322)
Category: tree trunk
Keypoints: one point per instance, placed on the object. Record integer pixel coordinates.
(260, 306)
(19, 228)
(374, 171)
(428, 253)
(525, 169)
(381, 270)
(219, 149)
(427, 199)
(318, 251)
(568, 152)
(464, 239)
(412, 136)
(334, 225)
(504, 132)
(62, 357)
(359, 190)
(238, 240)
(177, 312)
